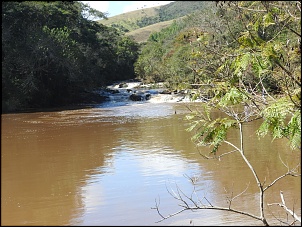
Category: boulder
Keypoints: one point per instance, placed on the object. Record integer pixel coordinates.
(140, 96)
(148, 96)
(136, 97)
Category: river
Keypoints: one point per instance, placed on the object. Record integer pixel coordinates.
(109, 164)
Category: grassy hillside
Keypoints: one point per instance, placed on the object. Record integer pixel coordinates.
(141, 23)
(142, 34)
(131, 16)
(181, 8)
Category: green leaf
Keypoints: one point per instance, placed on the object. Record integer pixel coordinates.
(233, 97)
(268, 20)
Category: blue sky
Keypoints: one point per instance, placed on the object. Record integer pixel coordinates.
(114, 8)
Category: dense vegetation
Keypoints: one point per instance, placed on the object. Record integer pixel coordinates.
(248, 54)
(257, 53)
(196, 49)
(53, 54)
(141, 35)
(172, 11)
(178, 9)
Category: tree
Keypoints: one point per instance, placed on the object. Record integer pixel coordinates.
(53, 54)
(264, 49)
(127, 54)
(43, 52)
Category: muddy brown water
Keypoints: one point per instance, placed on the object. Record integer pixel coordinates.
(108, 165)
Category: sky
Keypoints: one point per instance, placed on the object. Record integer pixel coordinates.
(114, 8)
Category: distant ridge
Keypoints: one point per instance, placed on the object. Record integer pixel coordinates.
(133, 15)
(142, 34)
(139, 24)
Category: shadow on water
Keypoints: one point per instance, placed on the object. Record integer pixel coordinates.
(101, 104)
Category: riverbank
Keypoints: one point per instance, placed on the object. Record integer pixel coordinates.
(122, 92)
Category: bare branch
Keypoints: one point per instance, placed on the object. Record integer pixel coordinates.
(169, 216)
(192, 179)
(241, 192)
(232, 145)
(211, 208)
(195, 206)
(208, 201)
(202, 155)
(288, 73)
(226, 154)
(230, 199)
(292, 172)
(157, 207)
(279, 219)
(294, 215)
(283, 162)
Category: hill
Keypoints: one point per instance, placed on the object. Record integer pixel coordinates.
(142, 34)
(141, 23)
(128, 21)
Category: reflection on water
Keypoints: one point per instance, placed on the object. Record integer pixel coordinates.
(107, 165)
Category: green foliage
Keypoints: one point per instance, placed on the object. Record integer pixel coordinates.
(180, 8)
(145, 21)
(282, 120)
(52, 54)
(210, 132)
(248, 51)
(248, 54)
(127, 53)
(120, 27)
(293, 130)
(260, 62)
(232, 97)
(166, 57)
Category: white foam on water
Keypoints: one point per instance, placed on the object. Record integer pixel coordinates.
(125, 89)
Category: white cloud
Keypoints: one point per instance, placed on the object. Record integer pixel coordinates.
(115, 7)
(135, 5)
